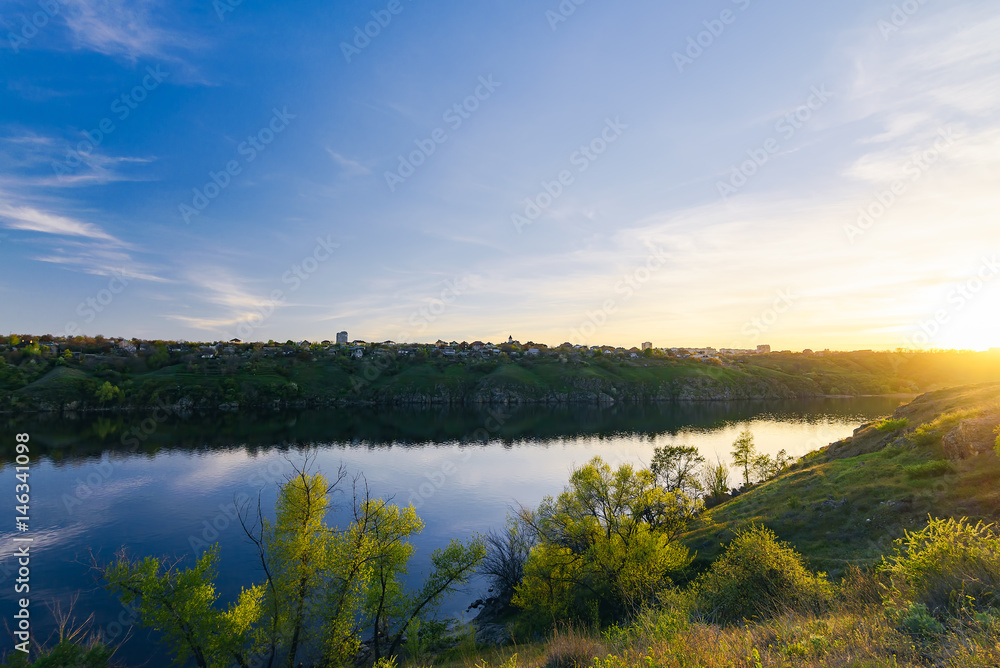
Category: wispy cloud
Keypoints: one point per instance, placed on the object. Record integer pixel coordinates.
(119, 28)
(350, 166)
(36, 220)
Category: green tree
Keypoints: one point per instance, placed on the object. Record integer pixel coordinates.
(322, 586)
(607, 543)
(676, 468)
(745, 454)
(108, 393)
(181, 604)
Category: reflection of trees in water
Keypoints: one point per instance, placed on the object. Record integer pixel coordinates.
(69, 438)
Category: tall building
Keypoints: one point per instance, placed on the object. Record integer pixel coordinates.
(763, 349)
(341, 337)
(646, 345)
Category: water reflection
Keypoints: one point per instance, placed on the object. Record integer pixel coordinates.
(167, 488)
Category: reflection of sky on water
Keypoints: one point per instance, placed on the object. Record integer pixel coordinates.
(164, 503)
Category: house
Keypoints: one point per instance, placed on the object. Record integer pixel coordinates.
(357, 353)
(449, 351)
(235, 341)
(533, 352)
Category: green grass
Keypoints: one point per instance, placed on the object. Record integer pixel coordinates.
(839, 509)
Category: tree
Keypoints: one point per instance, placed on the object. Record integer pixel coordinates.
(745, 454)
(507, 553)
(608, 541)
(767, 467)
(181, 604)
(676, 468)
(323, 586)
(107, 393)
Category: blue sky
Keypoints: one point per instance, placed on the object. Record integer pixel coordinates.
(725, 173)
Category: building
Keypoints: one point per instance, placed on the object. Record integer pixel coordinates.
(646, 345)
(341, 337)
(763, 349)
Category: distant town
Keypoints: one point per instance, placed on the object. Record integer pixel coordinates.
(85, 347)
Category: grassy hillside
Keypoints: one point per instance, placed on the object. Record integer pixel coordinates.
(847, 502)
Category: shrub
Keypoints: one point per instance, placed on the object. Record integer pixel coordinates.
(758, 576)
(890, 425)
(949, 566)
(917, 620)
(66, 653)
(931, 469)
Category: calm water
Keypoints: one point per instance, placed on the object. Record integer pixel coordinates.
(92, 493)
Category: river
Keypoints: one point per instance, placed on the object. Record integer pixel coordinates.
(167, 487)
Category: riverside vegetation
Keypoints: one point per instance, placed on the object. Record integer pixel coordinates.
(877, 551)
(97, 374)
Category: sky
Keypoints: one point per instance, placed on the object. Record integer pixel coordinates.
(726, 173)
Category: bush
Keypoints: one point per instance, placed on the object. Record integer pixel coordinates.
(889, 425)
(949, 566)
(917, 620)
(759, 577)
(65, 654)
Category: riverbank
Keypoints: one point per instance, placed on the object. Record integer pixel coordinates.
(240, 384)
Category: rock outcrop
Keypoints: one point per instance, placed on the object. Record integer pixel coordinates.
(971, 437)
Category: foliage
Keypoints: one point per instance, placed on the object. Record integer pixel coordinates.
(745, 454)
(181, 604)
(604, 546)
(889, 425)
(676, 468)
(323, 587)
(715, 480)
(917, 620)
(107, 393)
(950, 566)
(66, 654)
(765, 466)
(758, 577)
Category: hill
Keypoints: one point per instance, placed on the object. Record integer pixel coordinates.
(847, 502)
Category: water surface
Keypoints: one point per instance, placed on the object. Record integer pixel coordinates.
(167, 488)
